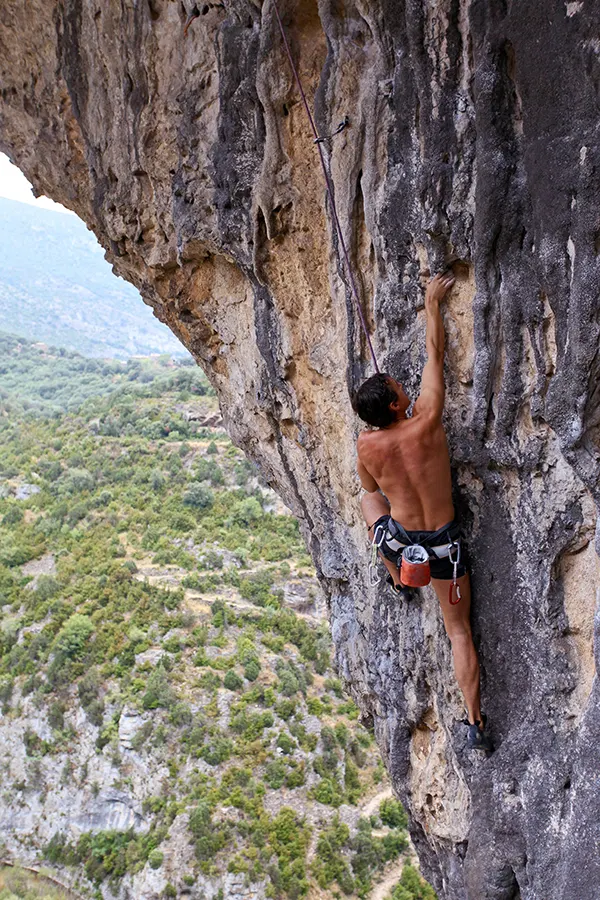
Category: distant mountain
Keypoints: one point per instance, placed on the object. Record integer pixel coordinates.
(56, 286)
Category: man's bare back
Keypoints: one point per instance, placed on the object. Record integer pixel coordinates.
(409, 461)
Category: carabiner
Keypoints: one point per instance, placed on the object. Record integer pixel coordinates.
(454, 583)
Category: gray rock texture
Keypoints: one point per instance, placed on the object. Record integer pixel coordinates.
(473, 138)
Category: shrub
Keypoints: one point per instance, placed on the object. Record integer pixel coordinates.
(257, 588)
(208, 470)
(252, 670)
(285, 709)
(392, 814)
(180, 714)
(156, 859)
(199, 496)
(330, 865)
(72, 638)
(56, 716)
(89, 689)
(412, 886)
(296, 777)
(208, 839)
(46, 588)
(157, 480)
(328, 792)
(141, 736)
(6, 689)
(14, 516)
(232, 681)
(76, 481)
(285, 743)
(341, 734)
(275, 774)
(246, 512)
(159, 692)
(216, 752)
(314, 706)
(328, 738)
(289, 838)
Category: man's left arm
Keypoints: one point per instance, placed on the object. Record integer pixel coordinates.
(431, 397)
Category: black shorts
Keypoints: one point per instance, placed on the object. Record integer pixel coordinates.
(440, 568)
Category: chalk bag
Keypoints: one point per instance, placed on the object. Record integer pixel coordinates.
(414, 571)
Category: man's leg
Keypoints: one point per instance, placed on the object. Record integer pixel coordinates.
(373, 506)
(458, 629)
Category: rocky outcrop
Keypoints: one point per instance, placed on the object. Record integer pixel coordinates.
(473, 140)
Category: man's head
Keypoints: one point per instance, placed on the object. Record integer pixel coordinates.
(380, 400)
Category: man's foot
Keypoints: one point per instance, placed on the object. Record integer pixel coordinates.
(403, 593)
(477, 739)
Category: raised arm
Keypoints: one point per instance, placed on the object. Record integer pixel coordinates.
(431, 397)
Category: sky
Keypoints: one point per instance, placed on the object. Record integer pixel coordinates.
(14, 186)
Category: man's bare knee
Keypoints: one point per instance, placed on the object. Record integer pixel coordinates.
(459, 631)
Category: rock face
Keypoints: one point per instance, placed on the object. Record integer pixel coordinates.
(473, 138)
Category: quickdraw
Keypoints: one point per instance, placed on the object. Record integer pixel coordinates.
(454, 586)
(374, 576)
(345, 123)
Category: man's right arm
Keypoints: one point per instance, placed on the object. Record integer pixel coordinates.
(431, 397)
(366, 479)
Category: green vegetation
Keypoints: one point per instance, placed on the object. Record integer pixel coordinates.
(162, 593)
(412, 886)
(40, 380)
(19, 884)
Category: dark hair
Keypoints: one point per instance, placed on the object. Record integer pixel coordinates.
(372, 401)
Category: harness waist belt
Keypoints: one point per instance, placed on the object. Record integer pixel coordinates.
(441, 550)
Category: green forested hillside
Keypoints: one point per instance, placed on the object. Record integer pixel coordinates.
(148, 579)
(56, 286)
(36, 379)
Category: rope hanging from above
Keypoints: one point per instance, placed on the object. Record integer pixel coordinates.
(318, 141)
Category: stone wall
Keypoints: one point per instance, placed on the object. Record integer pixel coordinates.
(473, 140)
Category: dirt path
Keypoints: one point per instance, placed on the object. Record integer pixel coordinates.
(371, 807)
(390, 879)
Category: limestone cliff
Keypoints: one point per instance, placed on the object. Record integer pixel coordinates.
(473, 138)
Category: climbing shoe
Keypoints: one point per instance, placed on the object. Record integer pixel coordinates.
(477, 739)
(403, 593)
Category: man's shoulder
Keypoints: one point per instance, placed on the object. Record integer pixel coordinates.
(426, 417)
(368, 438)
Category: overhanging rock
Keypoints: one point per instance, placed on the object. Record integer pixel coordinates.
(473, 138)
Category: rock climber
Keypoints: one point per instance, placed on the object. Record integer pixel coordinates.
(404, 467)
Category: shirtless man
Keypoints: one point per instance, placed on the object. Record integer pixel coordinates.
(406, 461)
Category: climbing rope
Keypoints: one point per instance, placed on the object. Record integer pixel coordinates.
(318, 140)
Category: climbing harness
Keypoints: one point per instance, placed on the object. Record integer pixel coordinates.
(454, 587)
(318, 140)
(414, 559)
